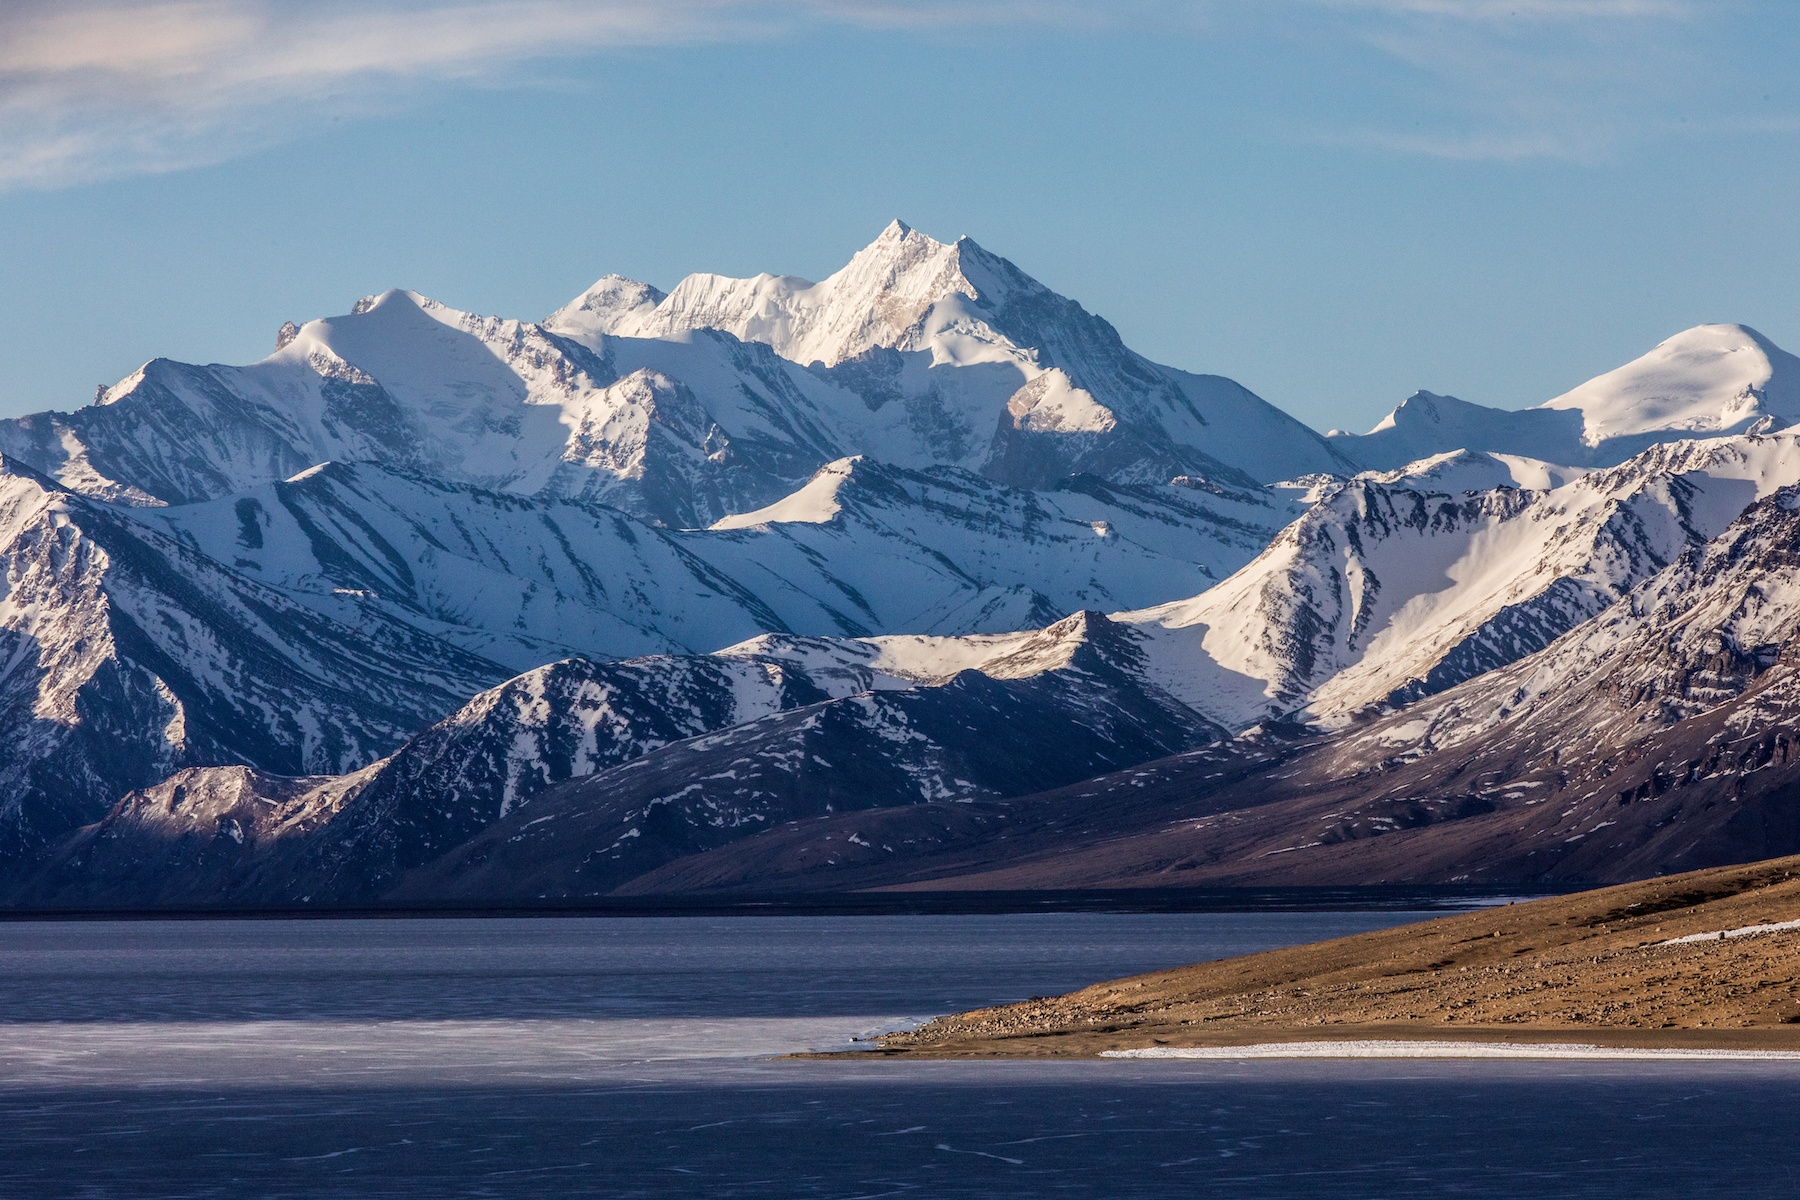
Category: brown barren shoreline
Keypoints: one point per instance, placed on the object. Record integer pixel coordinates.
(1593, 967)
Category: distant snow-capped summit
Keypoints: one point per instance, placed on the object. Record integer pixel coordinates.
(1705, 381)
(1708, 380)
(881, 298)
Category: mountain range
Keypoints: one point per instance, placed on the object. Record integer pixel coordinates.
(914, 577)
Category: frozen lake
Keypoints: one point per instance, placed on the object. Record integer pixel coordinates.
(629, 1057)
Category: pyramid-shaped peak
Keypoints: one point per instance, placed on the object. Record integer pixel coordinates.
(609, 306)
(897, 248)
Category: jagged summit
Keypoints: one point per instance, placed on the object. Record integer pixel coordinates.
(878, 299)
(603, 308)
(960, 358)
(886, 297)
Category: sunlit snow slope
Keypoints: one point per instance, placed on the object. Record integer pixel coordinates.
(752, 551)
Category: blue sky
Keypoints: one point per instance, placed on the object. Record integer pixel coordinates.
(1333, 201)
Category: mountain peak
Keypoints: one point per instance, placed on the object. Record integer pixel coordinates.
(876, 300)
(816, 503)
(1420, 405)
(1703, 381)
(1707, 381)
(604, 308)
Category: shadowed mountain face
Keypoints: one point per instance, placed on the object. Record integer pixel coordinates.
(515, 797)
(130, 654)
(766, 584)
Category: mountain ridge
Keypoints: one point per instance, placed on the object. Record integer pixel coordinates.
(924, 540)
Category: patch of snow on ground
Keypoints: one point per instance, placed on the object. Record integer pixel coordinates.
(1424, 1049)
(1741, 931)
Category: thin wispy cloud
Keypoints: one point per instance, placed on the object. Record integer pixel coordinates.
(92, 89)
(96, 88)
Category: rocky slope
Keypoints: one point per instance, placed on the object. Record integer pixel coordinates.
(1453, 786)
(1706, 959)
(128, 654)
(1657, 737)
(655, 758)
(1385, 592)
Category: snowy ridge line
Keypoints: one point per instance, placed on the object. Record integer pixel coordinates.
(1707, 381)
(900, 480)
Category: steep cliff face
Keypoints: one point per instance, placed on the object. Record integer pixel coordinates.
(1661, 735)
(1386, 592)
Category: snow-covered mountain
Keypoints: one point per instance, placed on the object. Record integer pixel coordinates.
(433, 501)
(959, 358)
(1703, 382)
(758, 552)
(410, 383)
(861, 549)
(255, 836)
(719, 399)
(314, 624)
(1684, 649)
(129, 654)
(1659, 736)
(1385, 592)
